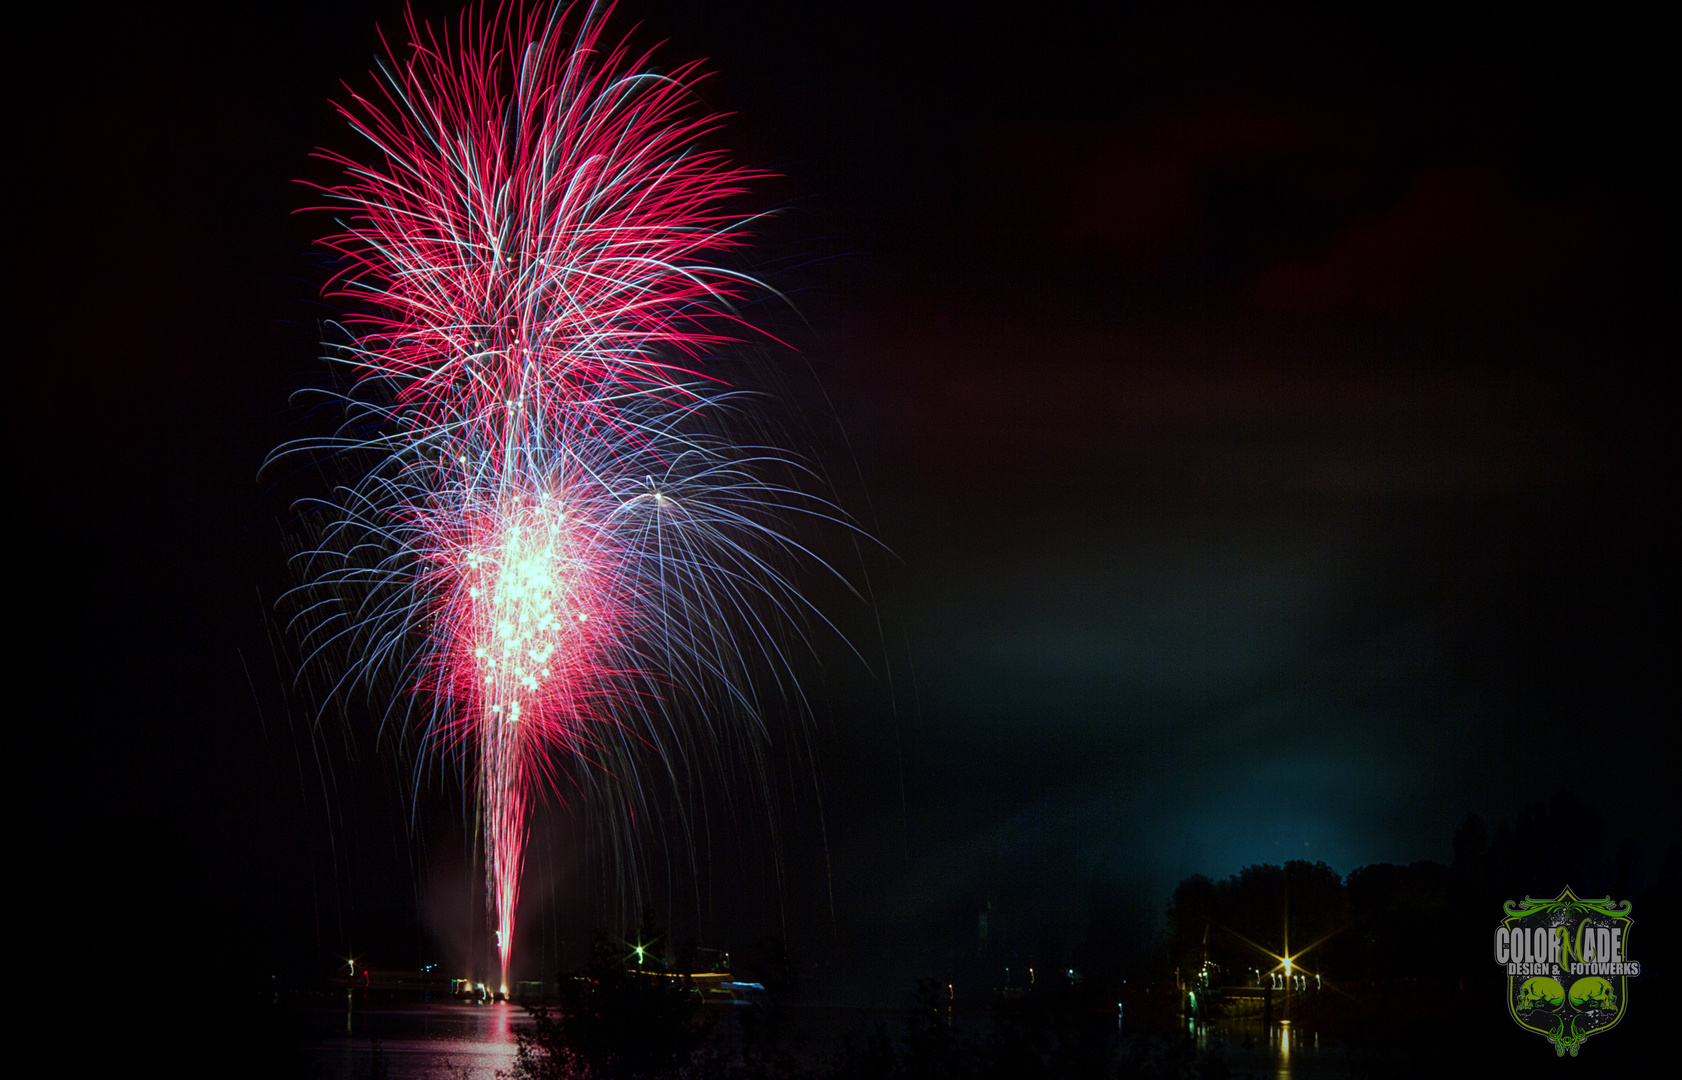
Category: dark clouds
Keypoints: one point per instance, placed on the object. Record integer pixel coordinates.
(1261, 415)
(1206, 611)
(1459, 240)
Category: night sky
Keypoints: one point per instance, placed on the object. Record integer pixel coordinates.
(1263, 417)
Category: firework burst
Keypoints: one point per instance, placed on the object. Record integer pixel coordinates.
(548, 538)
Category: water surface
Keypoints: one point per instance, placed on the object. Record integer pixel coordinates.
(451, 1041)
(439, 1041)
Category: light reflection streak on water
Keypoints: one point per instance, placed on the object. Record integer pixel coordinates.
(437, 1042)
(1279, 1051)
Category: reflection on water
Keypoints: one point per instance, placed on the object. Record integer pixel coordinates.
(1253, 1048)
(415, 1042)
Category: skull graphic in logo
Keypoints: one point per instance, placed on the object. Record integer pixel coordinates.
(1593, 992)
(1539, 992)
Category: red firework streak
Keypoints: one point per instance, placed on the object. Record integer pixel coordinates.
(527, 257)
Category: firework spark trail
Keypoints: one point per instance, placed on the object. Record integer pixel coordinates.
(542, 493)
